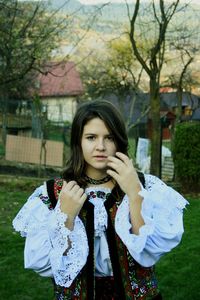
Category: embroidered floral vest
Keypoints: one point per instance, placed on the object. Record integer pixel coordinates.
(132, 281)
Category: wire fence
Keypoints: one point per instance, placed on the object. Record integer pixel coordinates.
(27, 135)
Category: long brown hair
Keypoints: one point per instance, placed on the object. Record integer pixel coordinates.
(113, 120)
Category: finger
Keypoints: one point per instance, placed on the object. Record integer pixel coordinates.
(75, 189)
(123, 157)
(115, 160)
(114, 175)
(80, 192)
(71, 182)
(70, 185)
(83, 198)
(113, 166)
(64, 183)
(64, 186)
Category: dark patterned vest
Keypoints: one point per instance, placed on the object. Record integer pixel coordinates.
(131, 280)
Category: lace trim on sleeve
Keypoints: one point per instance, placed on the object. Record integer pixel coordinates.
(124, 231)
(162, 213)
(23, 218)
(65, 268)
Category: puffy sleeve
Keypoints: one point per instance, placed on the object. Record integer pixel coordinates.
(162, 211)
(47, 240)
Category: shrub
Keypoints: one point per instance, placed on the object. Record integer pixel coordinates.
(186, 154)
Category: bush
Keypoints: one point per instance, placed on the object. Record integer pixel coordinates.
(186, 153)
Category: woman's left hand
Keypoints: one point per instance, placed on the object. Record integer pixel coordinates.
(123, 171)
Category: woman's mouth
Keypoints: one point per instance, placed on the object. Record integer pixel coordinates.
(100, 157)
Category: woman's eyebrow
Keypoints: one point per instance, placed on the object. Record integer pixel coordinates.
(95, 134)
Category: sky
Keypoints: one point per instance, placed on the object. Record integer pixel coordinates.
(102, 1)
(117, 1)
(123, 1)
(120, 1)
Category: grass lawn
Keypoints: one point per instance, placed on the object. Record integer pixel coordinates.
(178, 272)
(15, 282)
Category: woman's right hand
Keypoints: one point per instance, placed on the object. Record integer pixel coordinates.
(72, 198)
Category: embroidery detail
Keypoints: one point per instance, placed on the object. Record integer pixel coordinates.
(58, 183)
(139, 282)
(46, 201)
(143, 281)
(98, 194)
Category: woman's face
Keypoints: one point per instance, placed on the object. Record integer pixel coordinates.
(97, 144)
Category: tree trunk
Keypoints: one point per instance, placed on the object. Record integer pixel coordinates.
(36, 122)
(4, 104)
(121, 101)
(155, 167)
(179, 105)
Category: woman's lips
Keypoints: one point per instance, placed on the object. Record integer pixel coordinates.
(100, 157)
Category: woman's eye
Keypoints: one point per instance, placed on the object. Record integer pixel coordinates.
(110, 138)
(91, 138)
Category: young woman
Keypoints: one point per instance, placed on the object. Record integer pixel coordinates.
(99, 229)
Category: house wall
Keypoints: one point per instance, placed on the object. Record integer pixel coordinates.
(166, 134)
(60, 109)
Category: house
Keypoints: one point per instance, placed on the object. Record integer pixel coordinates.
(196, 114)
(190, 102)
(168, 103)
(59, 88)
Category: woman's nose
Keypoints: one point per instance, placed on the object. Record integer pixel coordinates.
(100, 144)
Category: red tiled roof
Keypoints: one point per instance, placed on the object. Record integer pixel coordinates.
(166, 90)
(61, 80)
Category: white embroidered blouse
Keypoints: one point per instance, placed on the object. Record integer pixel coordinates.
(47, 237)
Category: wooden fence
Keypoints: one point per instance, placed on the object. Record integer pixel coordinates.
(35, 151)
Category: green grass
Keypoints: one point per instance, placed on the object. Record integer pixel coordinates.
(15, 282)
(178, 272)
(56, 133)
(131, 148)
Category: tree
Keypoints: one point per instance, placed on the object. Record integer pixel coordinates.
(182, 76)
(153, 29)
(28, 33)
(27, 36)
(117, 74)
(178, 81)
